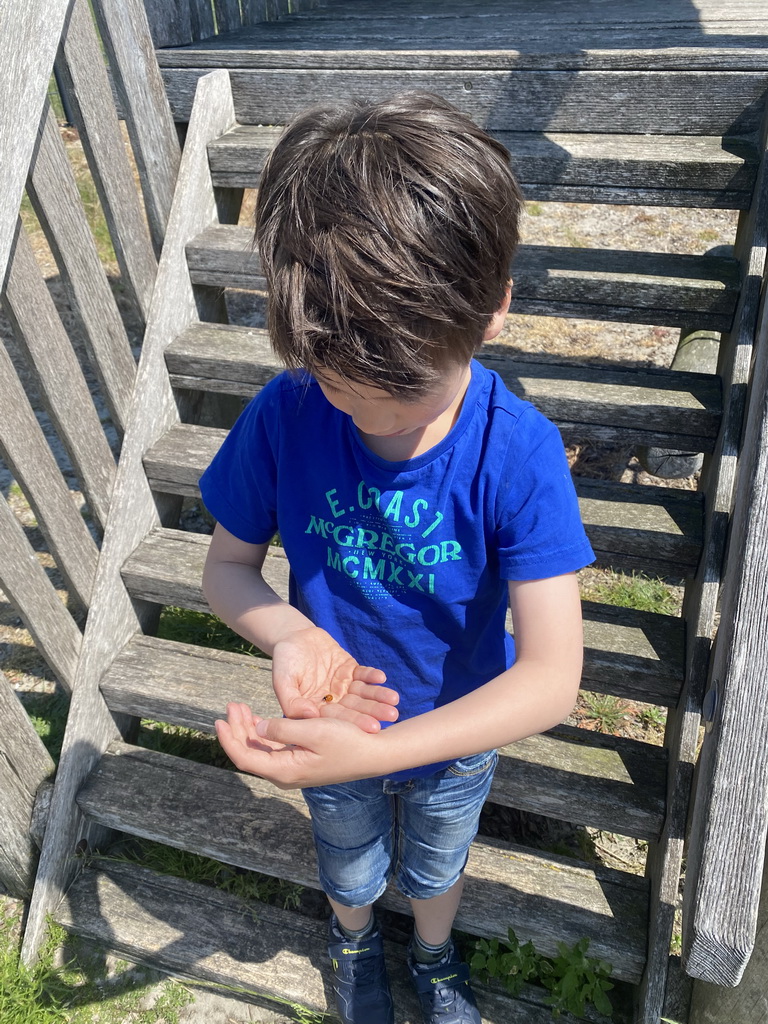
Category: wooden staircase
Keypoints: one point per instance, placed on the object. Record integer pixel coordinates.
(575, 143)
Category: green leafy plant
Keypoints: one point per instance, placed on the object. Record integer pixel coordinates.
(577, 979)
(513, 964)
(572, 978)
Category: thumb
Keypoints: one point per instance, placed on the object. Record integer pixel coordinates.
(288, 731)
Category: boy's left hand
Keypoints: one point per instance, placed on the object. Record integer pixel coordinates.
(309, 665)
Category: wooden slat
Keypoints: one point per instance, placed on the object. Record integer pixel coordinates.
(595, 284)
(125, 33)
(571, 167)
(55, 196)
(196, 931)
(625, 406)
(113, 616)
(623, 102)
(243, 820)
(24, 765)
(63, 390)
(638, 655)
(25, 71)
(169, 23)
(660, 528)
(227, 15)
(605, 782)
(28, 455)
(83, 78)
(32, 594)
(201, 19)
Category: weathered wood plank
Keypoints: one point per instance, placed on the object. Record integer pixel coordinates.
(716, 1004)
(243, 820)
(24, 765)
(125, 33)
(29, 456)
(730, 817)
(24, 75)
(113, 617)
(605, 782)
(56, 199)
(632, 654)
(227, 15)
(627, 403)
(191, 930)
(549, 164)
(598, 284)
(83, 77)
(33, 596)
(201, 19)
(660, 527)
(169, 22)
(623, 102)
(38, 329)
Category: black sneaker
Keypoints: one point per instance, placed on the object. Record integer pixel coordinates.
(359, 978)
(444, 992)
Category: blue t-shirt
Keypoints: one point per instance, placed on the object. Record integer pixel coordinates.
(406, 563)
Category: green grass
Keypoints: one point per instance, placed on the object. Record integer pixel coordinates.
(605, 711)
(645, 593)
(248, 885)
(77, 992)
(202, 629)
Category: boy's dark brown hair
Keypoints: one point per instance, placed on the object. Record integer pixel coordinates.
(385, 232)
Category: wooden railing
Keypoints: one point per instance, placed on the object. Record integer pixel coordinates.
(33, 157)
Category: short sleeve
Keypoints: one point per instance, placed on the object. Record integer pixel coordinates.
(540, 533)
(239, 488)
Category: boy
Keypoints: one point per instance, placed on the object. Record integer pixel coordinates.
(415, 497)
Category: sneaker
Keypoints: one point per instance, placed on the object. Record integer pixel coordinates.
(359, 978)
(444, 991)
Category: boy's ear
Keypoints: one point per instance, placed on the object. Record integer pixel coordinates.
(497, 320)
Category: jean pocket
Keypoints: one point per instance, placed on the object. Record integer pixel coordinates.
(475, 764)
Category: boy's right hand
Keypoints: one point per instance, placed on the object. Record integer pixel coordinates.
(308, 666)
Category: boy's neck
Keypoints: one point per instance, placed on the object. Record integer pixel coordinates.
(408, 446)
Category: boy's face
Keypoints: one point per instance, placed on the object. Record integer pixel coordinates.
(376, 413)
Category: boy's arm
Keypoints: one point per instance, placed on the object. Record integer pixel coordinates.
(535, 694)
(307, 664)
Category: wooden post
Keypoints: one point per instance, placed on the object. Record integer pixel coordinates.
(24, 765)
(730, 817)
(748, 1002)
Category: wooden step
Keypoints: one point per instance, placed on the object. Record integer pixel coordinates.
(276, 956)
(605, 782)
(613, 405)
(621, 101)
(628, 653)
(562, 167)
(594, 284)
(631, 527)
(243, 820)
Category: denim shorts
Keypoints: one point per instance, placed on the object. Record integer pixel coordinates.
(415, 831)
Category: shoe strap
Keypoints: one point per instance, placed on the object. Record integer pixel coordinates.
(450, 975)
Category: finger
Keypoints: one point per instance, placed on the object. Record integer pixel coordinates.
(372, 708)
(300, 707)
(366, 674)
(306, 733)
(239, 721)
(375, 692)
